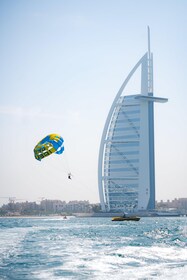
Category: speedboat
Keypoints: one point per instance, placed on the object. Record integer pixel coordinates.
(130, 218)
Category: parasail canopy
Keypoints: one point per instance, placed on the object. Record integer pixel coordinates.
(52, 143)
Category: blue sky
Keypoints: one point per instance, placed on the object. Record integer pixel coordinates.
(62, 63)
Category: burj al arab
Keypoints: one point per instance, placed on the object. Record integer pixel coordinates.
(126, 165)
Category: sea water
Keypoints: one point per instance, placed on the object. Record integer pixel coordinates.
(93, 248)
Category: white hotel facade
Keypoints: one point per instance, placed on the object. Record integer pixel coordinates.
(126, 167)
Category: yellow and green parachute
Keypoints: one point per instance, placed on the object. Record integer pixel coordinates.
(52, 143)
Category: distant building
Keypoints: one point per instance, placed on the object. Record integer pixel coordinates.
(126, 168)
(53, 206)
(78, 206)
(58, 206)
(23, 208)
(178, 204)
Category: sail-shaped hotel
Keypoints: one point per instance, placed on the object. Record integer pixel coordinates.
(126, 168)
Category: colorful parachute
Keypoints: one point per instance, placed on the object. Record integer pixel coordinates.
(52, 143)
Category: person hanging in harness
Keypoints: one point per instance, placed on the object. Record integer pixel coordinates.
(69, 176)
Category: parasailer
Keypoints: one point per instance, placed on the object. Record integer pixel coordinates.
(69, 176)
(52, 143)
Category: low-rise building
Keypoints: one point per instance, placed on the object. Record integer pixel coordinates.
(178, 204)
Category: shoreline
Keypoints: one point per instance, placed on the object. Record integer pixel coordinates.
(95, 215)
(36, 217)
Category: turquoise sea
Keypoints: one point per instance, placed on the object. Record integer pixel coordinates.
(93, 248)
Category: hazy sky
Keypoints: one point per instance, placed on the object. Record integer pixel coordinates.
(61, 64)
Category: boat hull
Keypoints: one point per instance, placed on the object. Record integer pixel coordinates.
(118, 219)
